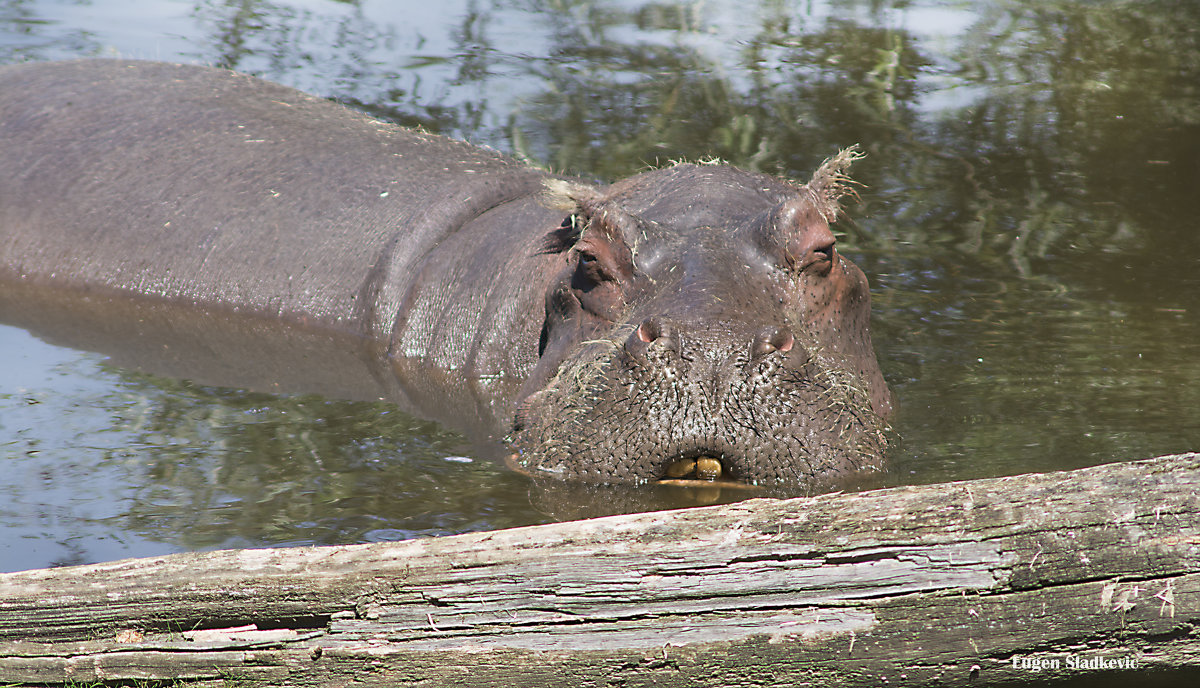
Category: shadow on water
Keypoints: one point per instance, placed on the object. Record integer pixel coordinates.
(1026, 219)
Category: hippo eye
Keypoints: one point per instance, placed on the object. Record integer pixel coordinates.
(592, 267)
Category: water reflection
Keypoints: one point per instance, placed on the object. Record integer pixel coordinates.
(1036, 379)
(224, 466)
(201, 467)
(1027, 221)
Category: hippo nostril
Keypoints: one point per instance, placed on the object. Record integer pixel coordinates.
(782, 340)
(659, 333)
(653, 329)
(771, 340)
(653, 333)
(650, 330)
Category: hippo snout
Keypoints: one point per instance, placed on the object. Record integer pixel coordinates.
(700, 403)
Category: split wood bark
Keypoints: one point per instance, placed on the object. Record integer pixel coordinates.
(1006, 580)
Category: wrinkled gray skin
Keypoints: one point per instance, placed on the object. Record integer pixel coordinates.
(209, 224)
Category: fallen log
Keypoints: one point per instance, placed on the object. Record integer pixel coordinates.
(1087, 573)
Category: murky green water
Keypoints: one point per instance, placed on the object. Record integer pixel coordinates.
(1028, 225)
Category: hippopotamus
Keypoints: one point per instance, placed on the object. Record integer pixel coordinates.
(692, 322)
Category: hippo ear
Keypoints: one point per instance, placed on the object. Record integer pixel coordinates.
(797, 231)
(572, 198)
(590, 211)
(830, 183)
(567, 196)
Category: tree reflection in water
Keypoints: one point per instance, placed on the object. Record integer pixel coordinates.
(1027, 221)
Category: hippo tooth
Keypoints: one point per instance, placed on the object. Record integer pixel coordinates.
(680, 468)
(708, 468)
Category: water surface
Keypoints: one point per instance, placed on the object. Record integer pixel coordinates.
(1027, 223)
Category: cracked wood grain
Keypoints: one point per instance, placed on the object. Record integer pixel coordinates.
(923, 585)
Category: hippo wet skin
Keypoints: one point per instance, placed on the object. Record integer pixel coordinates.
(695, 320)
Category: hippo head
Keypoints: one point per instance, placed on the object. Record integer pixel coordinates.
(704, 324)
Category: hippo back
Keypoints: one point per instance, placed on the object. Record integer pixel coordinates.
(210, 188)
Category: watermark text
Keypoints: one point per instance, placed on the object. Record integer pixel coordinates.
(1091, 662)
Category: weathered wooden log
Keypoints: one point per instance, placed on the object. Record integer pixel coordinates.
(1005, 580)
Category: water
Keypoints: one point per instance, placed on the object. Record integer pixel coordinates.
(1027, 222)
